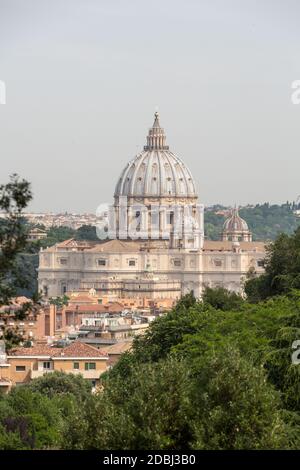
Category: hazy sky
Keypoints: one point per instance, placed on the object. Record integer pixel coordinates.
(83, 79)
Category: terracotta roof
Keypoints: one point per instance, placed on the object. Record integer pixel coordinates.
(119, 348)
(76, 349)
(71, 242)
(38, 350)
(210, 245)
(116, 246)
(105, 246)
(115, 307)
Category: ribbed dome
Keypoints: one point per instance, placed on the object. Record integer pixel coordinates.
(235, 223)
(156, 172)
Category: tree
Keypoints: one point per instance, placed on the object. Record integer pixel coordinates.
(12, 337)
(282, 269)
(14, 197)
(151, 410)
(87, 232)
(239, 409)
(29, 420)
(59, 301)
(60, 383)
(56, 235)
(167, 331)
(222, 299)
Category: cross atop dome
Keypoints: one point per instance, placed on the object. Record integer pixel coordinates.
(156, 120)
(156, 139)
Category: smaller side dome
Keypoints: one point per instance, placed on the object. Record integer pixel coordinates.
(235, 228)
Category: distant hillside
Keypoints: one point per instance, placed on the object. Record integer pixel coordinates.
(265, 221)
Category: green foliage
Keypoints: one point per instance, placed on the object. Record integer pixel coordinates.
(56, 235)
(211, 374)
(282, 269)
(59, 301)
(239, 409)
(27, 265)
(151, 410)
(14, 197)
(87, 232)
(59, 383)
(266, 221)
(28, 420)
(17, 271)
(222, 299)
(62, 233)
(243, 389)
(11, 337)
(167, 331)
(44, 414)
(213, 224)
(200, 378)
(226, 403)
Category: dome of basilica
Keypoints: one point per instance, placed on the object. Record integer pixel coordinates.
(235, 223)
(235, 228)
(156, 172)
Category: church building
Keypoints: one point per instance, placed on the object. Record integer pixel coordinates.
(153, 244)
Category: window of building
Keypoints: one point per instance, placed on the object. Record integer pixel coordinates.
(131, 262)
(260, 263)
(63, 261)
(177, 262)
(90, 365)
(101, 262)
(76, 365)
(218, 262)
(20, 368)
(47, 365)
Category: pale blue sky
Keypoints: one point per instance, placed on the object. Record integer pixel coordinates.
(84, 77)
